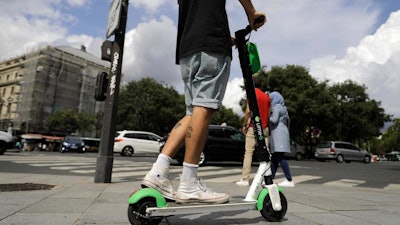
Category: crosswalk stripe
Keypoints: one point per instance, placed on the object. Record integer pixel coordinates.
(68, 167)
(296, 179)
(392, 187)
(345, 183)
(216, 174)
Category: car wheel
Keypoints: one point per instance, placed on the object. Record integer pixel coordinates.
(298, 156)
(340, 159)
(127, 151)
(202, 160)
(3, 148)
(367, 159)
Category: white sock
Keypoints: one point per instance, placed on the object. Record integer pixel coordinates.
(163, 162)
(189, 170)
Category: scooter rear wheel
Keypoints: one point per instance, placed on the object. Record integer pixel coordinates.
(137, 213)
(269, 213)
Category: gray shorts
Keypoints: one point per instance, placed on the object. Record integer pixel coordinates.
(205, 76)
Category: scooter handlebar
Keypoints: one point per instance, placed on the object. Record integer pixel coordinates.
(260, 19)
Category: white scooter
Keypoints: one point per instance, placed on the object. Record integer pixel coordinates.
(148, 206)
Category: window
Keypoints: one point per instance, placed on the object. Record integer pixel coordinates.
(131, 135)
(216, 133)
(236, 135)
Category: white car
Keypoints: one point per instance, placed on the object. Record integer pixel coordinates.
(128, 142)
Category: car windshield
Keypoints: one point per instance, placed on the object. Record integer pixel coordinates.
(73, 139)
(324, 145)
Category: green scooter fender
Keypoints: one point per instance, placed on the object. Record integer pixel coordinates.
(261, 197)
(145, 193)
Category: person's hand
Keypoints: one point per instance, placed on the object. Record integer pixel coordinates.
(255, 22)
(244, 130)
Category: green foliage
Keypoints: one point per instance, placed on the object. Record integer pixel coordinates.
(149, 106)
(227, 116)
(341, 112)
(358, 118)
(390, 139)
(70, 121)
(318, 112)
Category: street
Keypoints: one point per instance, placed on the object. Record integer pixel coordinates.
(325, 192)
(382, 175)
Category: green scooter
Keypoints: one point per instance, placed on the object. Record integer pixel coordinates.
(148, 206)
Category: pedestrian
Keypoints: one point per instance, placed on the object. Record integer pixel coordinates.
(264, 103)
(279, 123)
(204, 53)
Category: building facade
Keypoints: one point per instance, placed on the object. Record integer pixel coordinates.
(34, 85)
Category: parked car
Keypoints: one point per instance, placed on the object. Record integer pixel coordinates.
(392, 156)
(341, 152)
(6, 142)
(91, 144)
(128, 143)
(224, 143)
(296, 151)
(72, 144)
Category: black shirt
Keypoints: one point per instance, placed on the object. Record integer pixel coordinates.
(202, 26)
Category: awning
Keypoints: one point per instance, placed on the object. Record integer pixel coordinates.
(32, 136)
(52, 138)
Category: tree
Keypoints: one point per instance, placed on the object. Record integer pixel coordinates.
(390, 140)
(149, 106)
(319, 112)
(69, 121)
(308, 102)
(358, 118)
(227, 116)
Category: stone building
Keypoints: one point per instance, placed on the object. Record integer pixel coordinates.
(38, 83)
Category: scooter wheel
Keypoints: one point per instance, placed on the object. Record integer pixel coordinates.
(269, 213)
(137, 213)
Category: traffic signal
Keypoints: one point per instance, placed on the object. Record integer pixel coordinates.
(100, 93)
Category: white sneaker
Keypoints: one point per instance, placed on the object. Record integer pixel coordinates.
(159, 181)
(286, 183)
(243, 183)
(194, 190)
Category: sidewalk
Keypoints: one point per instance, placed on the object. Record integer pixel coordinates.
(78, 200)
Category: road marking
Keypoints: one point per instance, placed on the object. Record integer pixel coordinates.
(345, 183)
(299, 179)
(392, 187)
(217, 174)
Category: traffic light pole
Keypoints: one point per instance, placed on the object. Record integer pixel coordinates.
(113, 52)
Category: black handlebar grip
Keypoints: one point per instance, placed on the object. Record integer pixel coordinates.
(260, 19)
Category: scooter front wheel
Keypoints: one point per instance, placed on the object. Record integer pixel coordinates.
(269, 213)
(137, 213)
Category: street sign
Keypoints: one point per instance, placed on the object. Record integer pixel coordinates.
(114, 17)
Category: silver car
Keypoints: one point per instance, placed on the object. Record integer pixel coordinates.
(341, 152)
(296, 151)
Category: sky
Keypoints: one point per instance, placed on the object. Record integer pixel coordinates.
(335, 40)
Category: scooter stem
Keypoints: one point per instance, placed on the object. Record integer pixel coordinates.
(263, 169)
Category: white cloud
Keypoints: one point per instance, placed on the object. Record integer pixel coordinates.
(150, 52)
(78, 2)
(29, 24)
(233, 95)
(374, 62)
(152, 6)
(297, 32)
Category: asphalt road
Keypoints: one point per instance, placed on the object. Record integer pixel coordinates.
(325, 193)
(373, 175)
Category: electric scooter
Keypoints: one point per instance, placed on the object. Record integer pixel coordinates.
(148, 206)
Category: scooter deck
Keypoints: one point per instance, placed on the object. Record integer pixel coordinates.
(235, 204)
